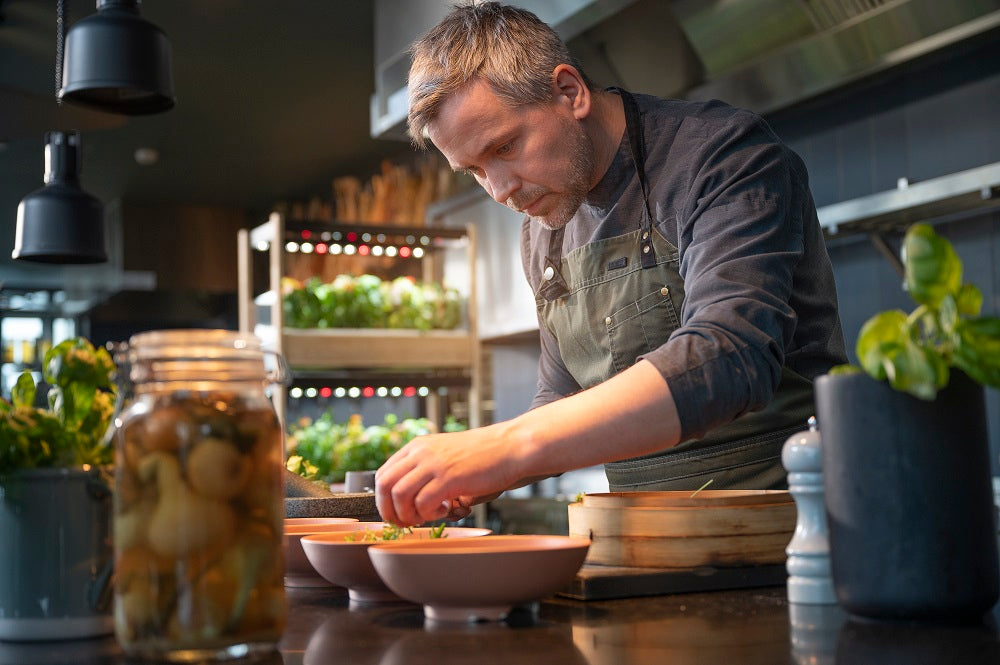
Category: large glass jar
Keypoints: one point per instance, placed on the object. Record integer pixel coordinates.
(198, 504)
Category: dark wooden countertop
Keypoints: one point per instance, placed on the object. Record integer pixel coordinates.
(747, 626)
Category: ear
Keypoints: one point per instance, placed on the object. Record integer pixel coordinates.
(568, 88)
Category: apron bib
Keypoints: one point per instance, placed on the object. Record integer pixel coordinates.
(612, 300)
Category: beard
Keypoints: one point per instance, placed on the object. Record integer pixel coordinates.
(579, 172)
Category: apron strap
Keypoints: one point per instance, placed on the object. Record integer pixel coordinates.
(553, 285)
(637, 147)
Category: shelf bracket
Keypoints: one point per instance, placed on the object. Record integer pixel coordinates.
(886, 250)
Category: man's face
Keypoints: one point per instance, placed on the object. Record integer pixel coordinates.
(534, 159)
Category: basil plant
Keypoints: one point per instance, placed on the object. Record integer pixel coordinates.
(71, 430)
(915, 352)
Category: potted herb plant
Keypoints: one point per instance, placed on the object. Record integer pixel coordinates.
(905, 450)
(55, 501)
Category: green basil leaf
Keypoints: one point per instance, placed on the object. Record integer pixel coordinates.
(981, 337)
(23, 392)
(52, 365)
(969, 300)
(977, 352)
(932, 268)
(915, 370)
(986, 375)
(878, 336)
(947, 316)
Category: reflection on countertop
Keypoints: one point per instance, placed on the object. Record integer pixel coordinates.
(747, 626)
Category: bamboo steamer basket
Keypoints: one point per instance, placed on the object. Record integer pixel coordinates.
(681, 529)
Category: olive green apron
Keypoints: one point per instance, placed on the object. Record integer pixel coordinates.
(612, 300)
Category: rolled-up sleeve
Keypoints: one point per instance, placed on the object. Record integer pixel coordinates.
(740, 238)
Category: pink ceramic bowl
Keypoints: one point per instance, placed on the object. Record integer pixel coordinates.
(298, 571)
(299, 521)
(342, 558)
(478, 578)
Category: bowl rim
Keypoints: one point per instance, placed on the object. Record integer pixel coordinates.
(494, 544)
(314, 529)
(335, 538)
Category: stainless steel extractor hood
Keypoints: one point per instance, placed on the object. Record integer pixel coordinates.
(769, 54)
(760, 54)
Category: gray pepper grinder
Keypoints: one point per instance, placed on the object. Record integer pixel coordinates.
(808, 562)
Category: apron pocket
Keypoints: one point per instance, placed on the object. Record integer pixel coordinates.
(641, 326)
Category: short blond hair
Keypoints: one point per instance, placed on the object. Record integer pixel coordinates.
(508, 47)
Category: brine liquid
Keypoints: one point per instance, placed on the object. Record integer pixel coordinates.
(198, 525)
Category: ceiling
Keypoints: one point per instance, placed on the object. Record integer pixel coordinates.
(272, 103)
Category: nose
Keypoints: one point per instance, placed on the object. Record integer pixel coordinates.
(501, 184)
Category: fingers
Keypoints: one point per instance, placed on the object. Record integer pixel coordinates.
(420, 482)
(460, 508)
(386, 477)
(430, 504)
(407, 494)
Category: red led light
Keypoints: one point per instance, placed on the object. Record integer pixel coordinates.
(364, 250)
(351, 236)
(325, 391)
(368, 391)
(409, 391)
(404, 252)
(306, 234)
(321, 248)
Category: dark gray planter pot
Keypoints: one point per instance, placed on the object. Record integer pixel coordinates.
(55, 554)
(909, 499)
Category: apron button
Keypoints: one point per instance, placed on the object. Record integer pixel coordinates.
(548, 274)
(608, 320)
(664, 291)
(645, 235)
(645, 249)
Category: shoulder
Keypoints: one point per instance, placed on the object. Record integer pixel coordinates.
(693, 119)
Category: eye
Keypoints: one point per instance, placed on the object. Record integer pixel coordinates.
(506, 148)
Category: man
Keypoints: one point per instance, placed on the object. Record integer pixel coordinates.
(684, 293)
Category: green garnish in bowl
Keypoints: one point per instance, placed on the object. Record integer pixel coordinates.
(393, 532)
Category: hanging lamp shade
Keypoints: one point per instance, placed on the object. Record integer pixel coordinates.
(118, 62)
(60, 223)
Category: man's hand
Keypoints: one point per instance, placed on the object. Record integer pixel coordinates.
(443, 475)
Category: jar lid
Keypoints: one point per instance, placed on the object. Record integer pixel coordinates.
(194, 343)
(191, 354)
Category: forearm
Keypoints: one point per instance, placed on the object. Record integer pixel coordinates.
(628, 415)
(435, 475)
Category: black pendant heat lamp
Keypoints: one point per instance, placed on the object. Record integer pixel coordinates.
(60, 223)
(116, 61)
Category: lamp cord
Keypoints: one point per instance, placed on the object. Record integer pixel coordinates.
(60, 39)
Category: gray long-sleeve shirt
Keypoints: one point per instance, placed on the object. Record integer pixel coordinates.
(759, 287)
